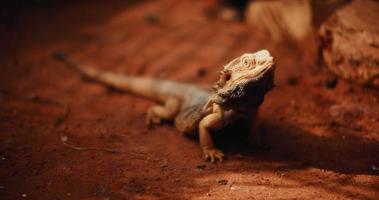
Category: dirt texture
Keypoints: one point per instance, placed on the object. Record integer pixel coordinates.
(322, 133)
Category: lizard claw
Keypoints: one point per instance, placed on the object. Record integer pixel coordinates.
(213, 154)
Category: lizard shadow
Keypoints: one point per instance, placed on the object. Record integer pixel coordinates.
(294, 152)
(341, 152)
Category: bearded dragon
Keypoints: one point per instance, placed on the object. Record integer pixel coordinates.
(237, 95)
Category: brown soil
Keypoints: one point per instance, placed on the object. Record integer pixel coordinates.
(323, 135)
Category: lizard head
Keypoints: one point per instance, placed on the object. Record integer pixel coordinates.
(244, 81)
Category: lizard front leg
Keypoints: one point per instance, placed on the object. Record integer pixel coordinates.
(168, 111)
(210, 122)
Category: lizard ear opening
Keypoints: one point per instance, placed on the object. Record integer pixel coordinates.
(227, 75)
(224, 77)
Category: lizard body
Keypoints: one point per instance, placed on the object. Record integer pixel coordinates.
(237, 95)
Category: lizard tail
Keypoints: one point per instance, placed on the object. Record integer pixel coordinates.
(154, 89)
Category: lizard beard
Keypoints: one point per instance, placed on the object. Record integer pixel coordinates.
(246, 96)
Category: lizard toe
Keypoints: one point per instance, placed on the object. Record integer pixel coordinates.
(213, 154)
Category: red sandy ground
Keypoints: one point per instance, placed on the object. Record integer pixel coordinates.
(324, 142)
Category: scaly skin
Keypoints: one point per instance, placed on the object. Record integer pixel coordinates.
(237, 95)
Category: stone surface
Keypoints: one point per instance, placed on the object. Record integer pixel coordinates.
(350, 42)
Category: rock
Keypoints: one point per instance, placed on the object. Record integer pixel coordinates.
(282, 20)
(349, 42)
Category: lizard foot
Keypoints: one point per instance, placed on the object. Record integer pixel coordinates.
(213, 154)
(152, 119)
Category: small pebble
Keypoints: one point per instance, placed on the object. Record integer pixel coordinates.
(200, 167)
(331, 82)
(164, 166)
(292, 81)
(222, 182)
(64, 138)
(201, 72)
(374, 168)
(152, 18)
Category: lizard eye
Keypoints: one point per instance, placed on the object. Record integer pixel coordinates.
(246, 61)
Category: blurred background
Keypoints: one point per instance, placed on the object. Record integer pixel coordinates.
(321, 120)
